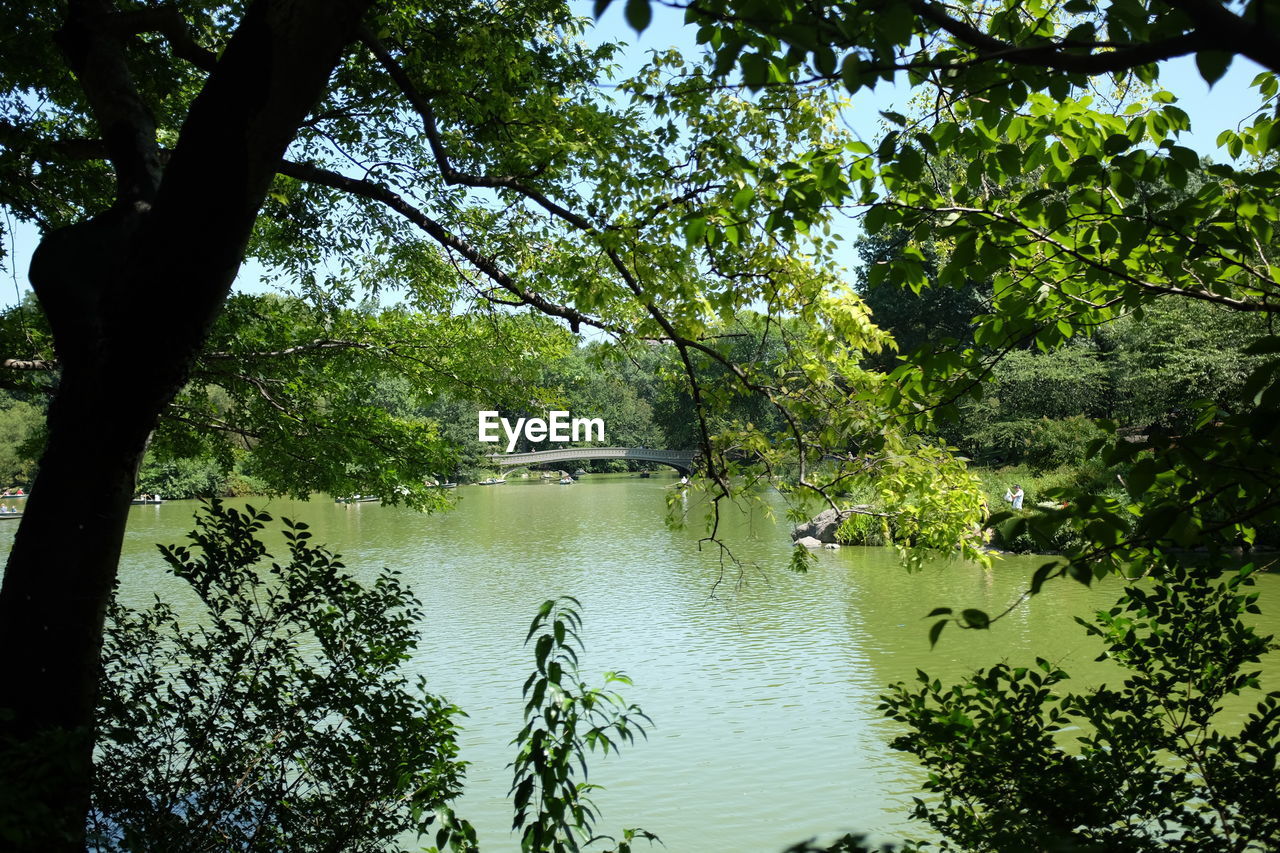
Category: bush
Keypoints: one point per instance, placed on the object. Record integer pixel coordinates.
(862, 529)
(1042, 443)
(278, 720)
(1057, 443)
(195, 477)
(1149, 770)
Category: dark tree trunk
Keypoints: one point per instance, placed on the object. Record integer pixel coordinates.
(130, 296)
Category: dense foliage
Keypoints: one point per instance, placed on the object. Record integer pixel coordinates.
(467, 156)
(279, 717)
(1017, 762)
(1077, 213)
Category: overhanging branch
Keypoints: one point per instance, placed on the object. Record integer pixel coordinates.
(169, 22)
(422, 106)
(1055, 55)
(384, 195)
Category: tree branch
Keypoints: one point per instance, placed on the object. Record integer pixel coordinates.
(422, 106)
(168, 22)
(1204, 295)
(294, 350)
(97, 57)
(385, 196)
(29, 364)
(1053, 55)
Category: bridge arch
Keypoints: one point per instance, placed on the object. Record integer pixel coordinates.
(681, 460)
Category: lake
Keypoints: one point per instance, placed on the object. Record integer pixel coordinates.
(762, 684)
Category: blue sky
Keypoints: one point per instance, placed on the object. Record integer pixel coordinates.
(1229, 102)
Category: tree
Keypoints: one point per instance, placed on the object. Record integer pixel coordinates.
(1079, 214)
(1153, 768)
(20, 425)
(462, 153)
(107, 281)
(930, 317)
(307, 398)
(281, 719)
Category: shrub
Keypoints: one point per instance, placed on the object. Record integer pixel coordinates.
(564, 719)
(1149, 771)
(277, 720)
(1058, 443)
(195, 477)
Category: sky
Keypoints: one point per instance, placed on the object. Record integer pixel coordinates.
(1228, 103)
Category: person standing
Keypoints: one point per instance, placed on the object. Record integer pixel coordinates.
(1016, 496)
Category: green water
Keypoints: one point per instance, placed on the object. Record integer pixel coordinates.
(762, 684)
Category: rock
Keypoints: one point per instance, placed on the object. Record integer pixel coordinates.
(808, 542)
(833, 546)
(823, 526)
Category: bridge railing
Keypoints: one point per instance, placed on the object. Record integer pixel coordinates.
(682, 459)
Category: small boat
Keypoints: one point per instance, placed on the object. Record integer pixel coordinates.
(5, 516)
(579, 473)
(447, 486)
(146, 501)
(492, 481)
(644, 475)
(566, 481)
(357, 499)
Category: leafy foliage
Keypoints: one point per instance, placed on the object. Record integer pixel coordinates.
(465, 154)
(21, 427)
(280, 719)
(564, 719)
(1154, 765)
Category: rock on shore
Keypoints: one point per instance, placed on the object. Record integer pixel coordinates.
(822, 527)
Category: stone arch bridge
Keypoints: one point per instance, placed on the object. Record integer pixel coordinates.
(681, 460)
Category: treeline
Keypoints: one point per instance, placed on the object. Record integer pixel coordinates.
(294, 399)
(1038, 414)
(1033, 420)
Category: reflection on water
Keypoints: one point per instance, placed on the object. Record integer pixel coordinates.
(762, 684)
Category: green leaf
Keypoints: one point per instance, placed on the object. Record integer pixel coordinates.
(824, 60)
(936, 631)
(755, 70)
(1184, 157)
(1116, 143)
(542, 649)
(1010, 159)
(694, 229)
(1213, 64)
(851, 73)
(1268, 345)
(638, 14)
(976, 618)
(1041, 575)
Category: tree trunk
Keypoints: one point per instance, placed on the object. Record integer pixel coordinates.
(131, 295)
